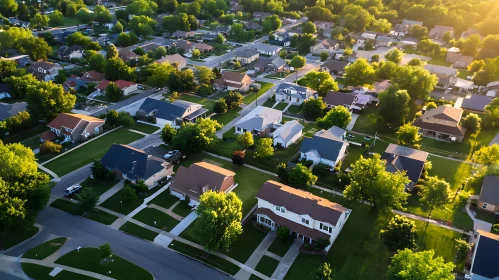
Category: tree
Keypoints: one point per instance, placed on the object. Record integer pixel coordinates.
(204, 75)
(323, 272)
(238, 157)
(301, 177)
(319, 13)
(493, 108)
(431, 105)
(125, 119)
(124, 40)
(233, 100)
(324, 56)
(359, 73)
(39, 21)
(117, 69)
(168, 133)
(102, 15)
(338, 116)
(386, 70)
(394, 107)
(322, 82)
(88, 198)
(141, 7)
(56, 18)
(8, 68)
(416, 80)
(142, 25)
(114, 93)
(8, 8)
(220, 106)
(470, 45)
(418, 31)
(105, 251)
(36, 47)
(47, 100)
(409, 265)
(206, 90)
(400, 233)
(394, 55)
(128, 195)
(20, 84)
(487, 155)
(98, 170)
(476, 65)
(434, 194)
(356, 18)
(237, 65)
(372, 183)
(160, 52)
(112, 52)
(313, 108)
(264, 148)
(220, 38)
(309, 27)
(447, 36)
(97, 62)
(416, 62)
(282, 172)
(271, 23)
(408, 135)
(84, 15)
(381, 25)
(159, 74)
(219, 220)
(246, 139)
(49, 147)
(298, 62)
(472, 122)
(283, 233)
(192, 138)
(117, 28)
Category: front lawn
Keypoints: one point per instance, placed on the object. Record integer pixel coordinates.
(143, 127)
(252, 96)
(40, 272)
(182, 209)
(266, 266)
(87, 153)
(246, 243)
(90, 259)
(138, 231)
(281, 106)
(164, 199)
(13, 238)
(75, 209)
(115, 202)
(226, 117)
(26, 134)
(32, 143)
(99, 186)
(156, 218)
(279, 247)
(440, 60)
(46, 249)
(294, 109)
(269, 103)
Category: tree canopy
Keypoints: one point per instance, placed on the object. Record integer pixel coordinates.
(434, 193)
(192, 138)
(322, 82)
(394, 107)
(359, 73)
(400, 233)
(338, 116)
(409, 265)
(46, 100)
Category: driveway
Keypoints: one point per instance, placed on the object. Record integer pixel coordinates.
(157, 151)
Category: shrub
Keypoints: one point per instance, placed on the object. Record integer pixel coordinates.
(141, 187)
(322, 243)
(238, 157)
(321, 169)
(110, 176)
(282, 172)
(49, 147)
(128, 194)
(283, 233)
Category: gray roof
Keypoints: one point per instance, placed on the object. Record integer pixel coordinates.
(476, 102)
(259, 118)
(384, 39)
(336, 98)
(247, 53)
(485, 261)
(168, 111)
(412, 22)
(135, 163)
(9, 110)
(400, 158)
(266, 47)
(490, 190)
(294, 90)
(275, 60)
(438, 69)
(288, 130)
(335, 65)
(327, 145)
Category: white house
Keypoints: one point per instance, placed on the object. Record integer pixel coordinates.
(173, 114)
(310, 217)
(287, 134)
(293, 93)
(259, 121)
(44, 70)
(266, 49)
(326, 147)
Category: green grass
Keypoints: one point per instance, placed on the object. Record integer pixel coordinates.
(463, 74)
(281, 106)
(90, 259)
(486, 216)
(354, 153)
(26, 134)
(226, 117)
(266, 266)
(294, 109)
(268, 103)
(40, 272)
(208, 104)
(89, 152)
(32, 143)
(70, 21)
(439, 60)
(46, 249)
(114, 202)
(164, 199)
(142, 127)
(182, 209)
(150, 215)
(99, 186)
(279, 247)
(75, 209)
(251, 96)
(246, 243)
(13, 238)
(138, 231)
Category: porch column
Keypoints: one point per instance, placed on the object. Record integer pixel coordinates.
(303, 239)
(310, 240)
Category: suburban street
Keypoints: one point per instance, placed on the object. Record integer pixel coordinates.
(128, 101)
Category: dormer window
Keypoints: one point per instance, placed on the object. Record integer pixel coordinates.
(305, 221)
(326, 228)
(281, 209)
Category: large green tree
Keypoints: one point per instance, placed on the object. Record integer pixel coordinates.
(394, 107)
(114, 93)
(417, 81)
(359, 73)
(434, 194)
(409, 265)
(168, 133)
(323, 272)
(400, 233)
(394, 55)
(117, 69)
(39, 21)
(46, 100)
(487, 155)
(313, 108)
(102, 14)
(338, 116)
(264, 148)
(322, 82)
(192, 138)
(301, 177)
(408, 135)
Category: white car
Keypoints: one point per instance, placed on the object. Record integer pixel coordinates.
(171, 154)
(72, 190)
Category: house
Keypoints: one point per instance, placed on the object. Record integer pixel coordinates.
(185, 45)
(5, 91)
(400, 158)
(92, 76)
(484, 261)
(280, 39)
(476, 103)
(259, 121)
(383, 41)
(438, 31)
(251, 25)
(308, 217)
(8, 110)
(126, 86)
(380, 87)
(44, 70)
(267, 49)
(287, 134)
(335, 67)
(293, 93)
(236, 7)
(411, 23)
(179, 34)
(447, 76)
(400, 30)
(74, 82)
(469, 32)
(68, 53)
(211, 37)
(273, 64)
(327, 45)
(489, 195)
(442, 123)
(135, 165)
(73, 127)
(319, 24)
(222, 29)
(174, 59)
(247, 56)
(457, 59)
(21, 60)
(233, 81)
(261, 15)
(325, 147)
(173, 114)
(199, 178)
(150, 47)
(202, 47)
(335, 98)
(127, 54)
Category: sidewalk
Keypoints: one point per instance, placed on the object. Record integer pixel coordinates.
(46, 170)
(256, 256)
(477, 224)
(112, 191)
(287, 260)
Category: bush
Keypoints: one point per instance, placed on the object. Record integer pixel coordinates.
(110, 176)
(282, 172)
(321, 169)
(141, 187)
(238, 157)
(128, 194)
(322, 243)
(49, 147)
(283, 233)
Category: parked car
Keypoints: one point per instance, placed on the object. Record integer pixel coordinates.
(72, 190)
(171, 154)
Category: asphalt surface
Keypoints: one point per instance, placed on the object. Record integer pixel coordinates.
(6, 276)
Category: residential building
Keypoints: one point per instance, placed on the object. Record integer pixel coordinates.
(44, 70)
(21, 60)
(92, 76)
(309, 217)
(335, 67)
(384, 41)
(457, 59)
(447, 76)
(327, 45)
(404, 159)
(489, 195)
(202, 47)
(8, 110)
(222, 29)
(380, 87)
(266, 49)
(412, 22)
(247, 56)
(281, 39)
(185, 45)
(400, 30)
(260, 121)
(484, 261)
(126, 86)
(127, 54)
(469, 32)
(68, 53)
(173, 114)
(287, 134)
(199, 178)
(73, 83)
(233, 81)
(273, 64)
(179, 34)
(319, 24)
(251, 25)
(135, 165)
(261, 15)
(335, 98)
(150, 47)
(476, 102)
(438, 31)
(5, 91)
(442, 123)
(73, 127)
(293, 93)
(325, 147)
(174, 59)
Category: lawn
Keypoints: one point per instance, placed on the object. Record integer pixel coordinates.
(13, 238)
(46, 249)
(114, 202)
(99, 186)
(70, 21)
(32, 143)
(74, 209)
(246, 243)
(87, 153)
(26, 134)
(208, 104)
(294, 109)
(251, 96)
(226, 117)
(281, 106)
(269, 103)
(279, 247)
(463, 74)
(182, 209)
(440, 60)
(138, 231)
(39, 272)
(354, 153)
(220, 94)
(150, 215)
(143, 127)
(266, 266)
(90, 259)
(164, 199)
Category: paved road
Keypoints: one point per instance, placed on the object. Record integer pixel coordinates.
(161, 262)
(6, 276)
(126, 102)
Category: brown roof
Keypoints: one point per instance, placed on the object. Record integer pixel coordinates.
(296, 227)
(186, 45)
(174, 58)
(234, 76)
(93, 76)
(203, 46)
(71, 120)
(45, 65)
(301, 202)
(48, 135)
(444, 113)
(122, 84)
(191, 180)
(452, 130)
(127, 54)
(382, 86)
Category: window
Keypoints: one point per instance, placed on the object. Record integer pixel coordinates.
(326, 228)
(305, 221)
(262, 219)
(484, 205)
(96, 129)
(278, 208)
(283, 210)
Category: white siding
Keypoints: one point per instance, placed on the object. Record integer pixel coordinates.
(153, 180)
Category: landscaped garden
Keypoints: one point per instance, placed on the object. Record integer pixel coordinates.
(45, 249)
